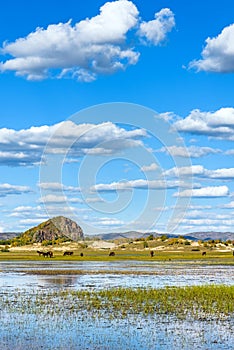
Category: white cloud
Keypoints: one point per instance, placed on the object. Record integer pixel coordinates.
(185, 171)
(216, 124)
(87, 138)
(229, 205)
(50, 198)
(19, 158)
(225, 173)
(30, 222)
(93, 200)
(208, 222)
(199, 170)
(200, 207)
(56, 186)
(207, 227)
(206, 192)
(218, 53)
(197, 214)
(151, 167)
(7, 189)
(98, 45)
(155, 31)
(105, 222)
(189, 152)
(138, 184)
(24, 211)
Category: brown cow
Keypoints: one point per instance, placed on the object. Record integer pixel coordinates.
(112, 254)
(151, 253)
(203, 253)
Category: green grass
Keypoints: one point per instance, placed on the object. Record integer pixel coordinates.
(212, 257)
(196, 302)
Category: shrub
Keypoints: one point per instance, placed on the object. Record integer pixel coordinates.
(46, 242)
(5, 250)
(150, 237)
(163, 238)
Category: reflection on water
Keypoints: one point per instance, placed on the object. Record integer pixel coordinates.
(73, 331)
(14, 274)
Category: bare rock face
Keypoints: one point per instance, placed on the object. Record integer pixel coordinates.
(68, 228)
(57, 227)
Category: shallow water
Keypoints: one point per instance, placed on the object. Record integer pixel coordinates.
(134, 333)
(23, 329)
(14, 274)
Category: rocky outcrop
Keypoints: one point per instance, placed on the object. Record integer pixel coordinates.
(52, 229)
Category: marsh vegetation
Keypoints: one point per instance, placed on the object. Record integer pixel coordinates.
(175, 298)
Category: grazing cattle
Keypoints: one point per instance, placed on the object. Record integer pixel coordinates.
(40, 252)
(67, 253)
(112, 254)
(203, 253)
(81, 254)
(48, 254)
(233, 253)
(151, 253)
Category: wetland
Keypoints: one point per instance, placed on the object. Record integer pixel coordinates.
(119, 304)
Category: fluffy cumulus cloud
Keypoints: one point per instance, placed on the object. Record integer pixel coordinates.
(151, 167)
(185, 171)
(155, 31)
(98, 45)
(205, 192)
(138, 184)
(7, 189)
(218, 53)
(200, 170)
(26, 146)
(218, 124)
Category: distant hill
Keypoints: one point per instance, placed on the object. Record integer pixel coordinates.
(119, 235)
(9, 235)
(57, 227)
(205, 236)
(195, 236)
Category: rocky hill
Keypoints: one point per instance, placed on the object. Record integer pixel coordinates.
(52, 229)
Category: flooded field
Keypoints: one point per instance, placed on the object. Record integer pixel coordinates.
(41, 311)
(17, 274)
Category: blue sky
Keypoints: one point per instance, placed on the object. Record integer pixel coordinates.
(117, 114)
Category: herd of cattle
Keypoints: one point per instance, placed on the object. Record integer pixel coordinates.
(50, 254)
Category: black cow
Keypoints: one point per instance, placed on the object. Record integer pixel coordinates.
(68, 253)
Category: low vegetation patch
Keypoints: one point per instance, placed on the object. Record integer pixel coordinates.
(196, 302)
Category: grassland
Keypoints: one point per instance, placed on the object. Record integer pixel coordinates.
(197, 302)
(213, 257)
(164, 249)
